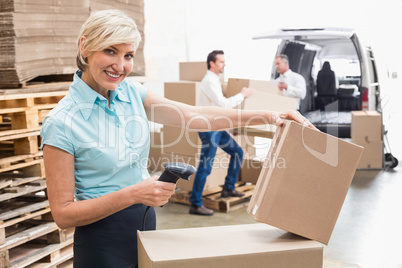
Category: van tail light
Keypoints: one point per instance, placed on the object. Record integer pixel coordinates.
(365, 100)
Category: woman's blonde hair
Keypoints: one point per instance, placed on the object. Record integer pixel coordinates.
(103, 29)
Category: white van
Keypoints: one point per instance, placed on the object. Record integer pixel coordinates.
(357, 85)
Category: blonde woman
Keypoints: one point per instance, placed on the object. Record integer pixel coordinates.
(96, 144)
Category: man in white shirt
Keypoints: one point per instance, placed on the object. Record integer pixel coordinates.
(292, 84)
(211, 95)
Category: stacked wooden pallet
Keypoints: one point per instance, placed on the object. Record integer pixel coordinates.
(28, 234)
(212, 199)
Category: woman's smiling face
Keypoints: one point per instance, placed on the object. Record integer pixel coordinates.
(106, 69)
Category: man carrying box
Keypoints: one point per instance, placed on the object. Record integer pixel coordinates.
(211, 95)
(290, 83)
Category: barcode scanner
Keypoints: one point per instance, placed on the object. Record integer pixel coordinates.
(172, 173)
(176, 170)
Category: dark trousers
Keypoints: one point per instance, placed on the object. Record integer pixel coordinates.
(112, 241)
(210, 142)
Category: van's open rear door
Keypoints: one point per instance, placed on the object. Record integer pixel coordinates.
(307, 34)
(301, 46)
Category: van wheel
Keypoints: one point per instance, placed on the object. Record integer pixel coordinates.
(390, 160)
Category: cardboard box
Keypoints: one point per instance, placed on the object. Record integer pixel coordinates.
(38, 37)
(215, 179)
(261, 99)
(224, 87)
(251, 169)
(235, 246)
(265, 101)
(304, 182)
(155, 152)
(373, 154)
(182, 91)
(177, 140)
(181, 141)
(235, 85)
(265, 131)
(246, 143)
(366, 125)
(192, 71)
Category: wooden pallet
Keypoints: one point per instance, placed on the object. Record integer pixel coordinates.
(58, 258)
(19, 142)
(26, 110)
(43, 243)
(52, 255)
(22, 163)
(21, 114)
(181, 196)
(29, 236)
(212, 198)
(21, 101)
(20, 209)
(21, 175)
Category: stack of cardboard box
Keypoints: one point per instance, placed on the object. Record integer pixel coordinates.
(367, 131)
(180, 145)
(179, 142)
(39, 38)
(185, 146)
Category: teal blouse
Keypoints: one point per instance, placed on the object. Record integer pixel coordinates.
(110, 145)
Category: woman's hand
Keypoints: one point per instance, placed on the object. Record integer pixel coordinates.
(155, 193)
(278, 118)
